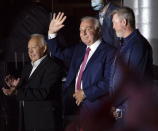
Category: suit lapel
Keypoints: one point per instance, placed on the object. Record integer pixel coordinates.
(79, 57)
(26, 72)
(95, 55)
(77, 60)
(39, 67)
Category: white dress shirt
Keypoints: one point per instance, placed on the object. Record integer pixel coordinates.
(36, 64)
(93, 48)
(52, 36)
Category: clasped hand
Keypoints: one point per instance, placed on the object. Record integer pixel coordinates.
(12, 84)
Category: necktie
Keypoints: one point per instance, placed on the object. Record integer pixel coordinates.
(83, 65)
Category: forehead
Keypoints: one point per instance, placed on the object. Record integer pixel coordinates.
(115, 17)
(86, 23)
(34, 42)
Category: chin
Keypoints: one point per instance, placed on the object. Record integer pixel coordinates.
(33, 60)
(119, 35)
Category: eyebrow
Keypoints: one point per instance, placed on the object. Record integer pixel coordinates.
(87, 27)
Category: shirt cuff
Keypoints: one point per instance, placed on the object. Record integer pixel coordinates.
(52, 36)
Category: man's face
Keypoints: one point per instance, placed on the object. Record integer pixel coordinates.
(97, 5)
(35, 49)
(88, 33)
(118, 25)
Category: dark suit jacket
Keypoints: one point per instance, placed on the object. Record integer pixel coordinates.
(108, 33)
(41, 95)
(136, 53)
(96, 75)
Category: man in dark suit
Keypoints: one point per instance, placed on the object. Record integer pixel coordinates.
(91, 82)
(135, 52)
(39, 89)
(105, 8)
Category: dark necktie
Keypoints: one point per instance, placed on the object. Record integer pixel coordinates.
(83, 65)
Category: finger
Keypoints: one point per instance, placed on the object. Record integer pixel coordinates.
(62, 20)
(61, 26)
(61, 16)
(58, 16)
(6, 78)
(54, 14)
(77, 103)
(18, 79)
(4, 91)
(74, 95)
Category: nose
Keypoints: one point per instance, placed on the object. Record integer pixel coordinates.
(29, 51)
(83, 32)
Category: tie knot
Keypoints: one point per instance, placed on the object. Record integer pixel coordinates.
(88, 49)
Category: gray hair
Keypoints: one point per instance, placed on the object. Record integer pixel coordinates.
(95, 20)
(39, 37)
(126, 13)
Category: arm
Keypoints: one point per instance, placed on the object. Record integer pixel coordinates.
(141, 59)
(55, 25)
(42, 88)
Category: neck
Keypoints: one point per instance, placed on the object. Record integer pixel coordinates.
(128, 32)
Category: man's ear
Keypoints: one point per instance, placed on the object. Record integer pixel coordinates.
(125, 22)
(99, 31)
(45, 49)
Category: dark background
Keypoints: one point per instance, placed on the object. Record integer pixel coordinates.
(20, 19)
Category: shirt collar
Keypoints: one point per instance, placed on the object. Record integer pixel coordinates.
(94, 46)
(130, 36)
(37, 62)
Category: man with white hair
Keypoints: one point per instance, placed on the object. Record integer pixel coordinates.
(39, 88)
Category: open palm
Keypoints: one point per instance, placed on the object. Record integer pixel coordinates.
(56, 23)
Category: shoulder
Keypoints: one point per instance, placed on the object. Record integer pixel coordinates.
(107, 50)
(113, 6)
(53, 64)
(108, 47)
(53, 61)
(141, 42)
(27, 65)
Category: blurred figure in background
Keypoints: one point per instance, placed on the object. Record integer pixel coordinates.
(105, 8)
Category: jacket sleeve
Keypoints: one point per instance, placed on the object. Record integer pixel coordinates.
(63, 54)
(43, 87)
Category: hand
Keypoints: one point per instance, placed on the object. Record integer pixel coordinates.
(56, 23)
(8, 80)
(116, 113)
(79, 96)
(11, 81)
(15, 82)
(9, 91)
